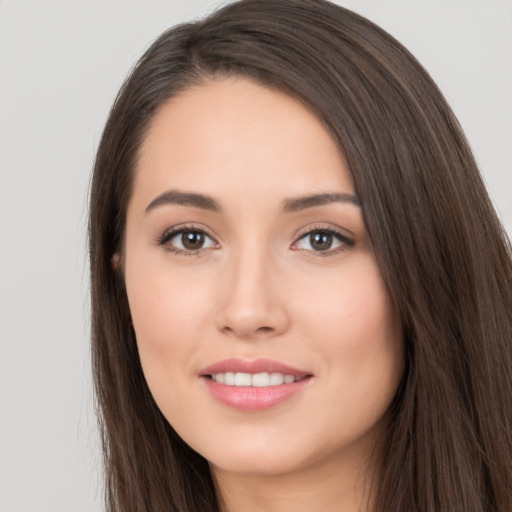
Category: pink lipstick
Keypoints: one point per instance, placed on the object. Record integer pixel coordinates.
(253, 385)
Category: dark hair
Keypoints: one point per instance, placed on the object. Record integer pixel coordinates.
(439, 245)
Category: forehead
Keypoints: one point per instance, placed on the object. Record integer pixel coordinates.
(235, 135)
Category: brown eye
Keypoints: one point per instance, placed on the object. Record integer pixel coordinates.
(186, 241)
(192, 240)
(321, 240)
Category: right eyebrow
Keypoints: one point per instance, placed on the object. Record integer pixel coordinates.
(301, 203)
(185, 199)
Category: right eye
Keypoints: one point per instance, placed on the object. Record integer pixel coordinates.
(187, 241)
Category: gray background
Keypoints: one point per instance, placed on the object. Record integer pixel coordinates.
(61, 63)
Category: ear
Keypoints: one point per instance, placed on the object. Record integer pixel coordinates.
(115, 260)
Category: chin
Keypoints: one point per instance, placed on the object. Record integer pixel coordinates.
(258, 464)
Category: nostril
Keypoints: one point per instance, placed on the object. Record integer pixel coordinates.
(248, 332)
(251, 320)
(264, 329)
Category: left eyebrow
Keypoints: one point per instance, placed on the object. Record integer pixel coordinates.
(184, 199)
(301, 203)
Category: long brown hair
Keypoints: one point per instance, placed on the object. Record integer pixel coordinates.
(439, 245)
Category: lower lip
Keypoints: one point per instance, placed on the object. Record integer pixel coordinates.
(248, 398)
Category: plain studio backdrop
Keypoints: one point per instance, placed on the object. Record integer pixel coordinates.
(61, 64)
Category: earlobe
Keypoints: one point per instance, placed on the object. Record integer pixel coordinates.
(115, 260)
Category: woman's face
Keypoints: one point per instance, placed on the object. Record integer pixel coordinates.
(265, 331)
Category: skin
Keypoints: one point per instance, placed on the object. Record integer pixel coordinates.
(259, 289)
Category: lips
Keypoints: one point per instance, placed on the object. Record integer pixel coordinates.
(256, 366)
(253, 385)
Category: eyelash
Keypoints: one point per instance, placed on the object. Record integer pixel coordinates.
(164, 240)
(345, 242)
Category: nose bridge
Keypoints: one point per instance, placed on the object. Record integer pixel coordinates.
(252, 305)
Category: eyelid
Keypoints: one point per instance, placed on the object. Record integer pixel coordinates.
(163, 239)
(346, 239)
(324, 226)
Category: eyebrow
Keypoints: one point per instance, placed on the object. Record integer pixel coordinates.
(301, 203)
(184, 199)
(205, 202)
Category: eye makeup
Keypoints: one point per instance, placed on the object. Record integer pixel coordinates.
(191, 240)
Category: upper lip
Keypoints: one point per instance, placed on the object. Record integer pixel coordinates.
(255, 366)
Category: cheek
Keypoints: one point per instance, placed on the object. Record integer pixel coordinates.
(164, 300)
(354, 322)
(353, 302)
(168, 318)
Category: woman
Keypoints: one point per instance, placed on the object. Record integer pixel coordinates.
(301, 293)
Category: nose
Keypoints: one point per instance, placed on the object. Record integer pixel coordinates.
(253, 301)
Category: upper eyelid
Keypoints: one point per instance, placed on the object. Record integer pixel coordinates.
(347, 241)
(301, 233)
(342, 232)
(193, 226)
(163, 241)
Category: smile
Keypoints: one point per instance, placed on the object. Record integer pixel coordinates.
(257, 380)
(253, 385)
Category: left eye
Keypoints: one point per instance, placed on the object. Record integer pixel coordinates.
(189, 240)
(321, 240)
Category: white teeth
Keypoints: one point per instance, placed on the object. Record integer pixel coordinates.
(243, 379)
(260, 380)
(253, 379)
(288, 379)
(276, 379)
